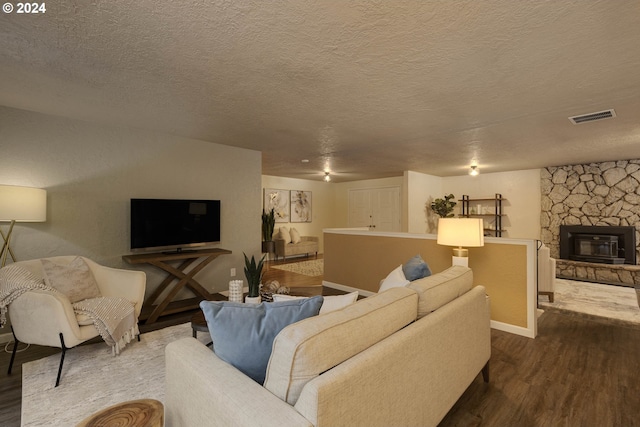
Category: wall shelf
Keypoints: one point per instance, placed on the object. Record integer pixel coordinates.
(491, 208)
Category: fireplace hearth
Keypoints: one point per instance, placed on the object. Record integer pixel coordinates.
(598, 244)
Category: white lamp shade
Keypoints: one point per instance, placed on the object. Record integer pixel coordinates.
(461, 232)
(23, 204)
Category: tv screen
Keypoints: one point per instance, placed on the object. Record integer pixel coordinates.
(174, 224)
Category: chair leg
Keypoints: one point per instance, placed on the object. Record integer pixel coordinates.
(13, 353)
(64, 350)
(485, 372)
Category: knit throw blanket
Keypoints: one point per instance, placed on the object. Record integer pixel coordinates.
(113, 317)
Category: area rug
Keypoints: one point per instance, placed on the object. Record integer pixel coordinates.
(314, 267)
(616, 303)
(93, 379)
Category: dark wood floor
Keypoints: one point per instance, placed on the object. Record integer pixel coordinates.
(578, 372)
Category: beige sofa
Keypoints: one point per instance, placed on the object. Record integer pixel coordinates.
(402, 357)
(307, 245)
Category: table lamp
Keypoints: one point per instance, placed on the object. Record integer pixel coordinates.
(20, 204)
(461, 232)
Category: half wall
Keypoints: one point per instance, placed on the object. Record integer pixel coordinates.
(359, 260)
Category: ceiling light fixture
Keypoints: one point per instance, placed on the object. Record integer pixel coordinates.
(474, 170)
(327, 178)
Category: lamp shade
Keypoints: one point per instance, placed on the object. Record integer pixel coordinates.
(23, 204)
(461, 232)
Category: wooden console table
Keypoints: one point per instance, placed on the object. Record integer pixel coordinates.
(175, 274)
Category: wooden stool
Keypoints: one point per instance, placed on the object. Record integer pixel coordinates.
(134, 413)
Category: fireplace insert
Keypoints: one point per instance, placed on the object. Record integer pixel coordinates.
(601, 244)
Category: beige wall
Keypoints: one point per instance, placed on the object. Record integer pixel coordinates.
(520, 188)
(90, 172)
(323, 210)
(421, 190)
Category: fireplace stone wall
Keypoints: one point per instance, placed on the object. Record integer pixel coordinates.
(606, 193)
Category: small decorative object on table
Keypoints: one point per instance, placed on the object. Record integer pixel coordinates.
(235, 290)
(253, 273)
(272, 287)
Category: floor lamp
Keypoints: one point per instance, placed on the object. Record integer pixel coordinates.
(20, 204)
(461, 232)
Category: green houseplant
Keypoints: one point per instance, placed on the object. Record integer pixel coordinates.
(253, 273)
(268, 225)
(444, 207)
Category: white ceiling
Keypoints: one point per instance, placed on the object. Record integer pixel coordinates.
(368, 88)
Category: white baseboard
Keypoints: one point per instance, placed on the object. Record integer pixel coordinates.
(512, 329)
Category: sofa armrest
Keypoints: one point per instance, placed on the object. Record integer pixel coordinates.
(39, 316)
(309, 239)
(434, 358)
(201, 389)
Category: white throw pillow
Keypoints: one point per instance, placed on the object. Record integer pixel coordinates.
(295, 236)
(285, 235)
(331, 302)
(395, 279)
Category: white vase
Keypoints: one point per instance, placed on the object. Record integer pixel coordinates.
(235, 290)
(253, 300)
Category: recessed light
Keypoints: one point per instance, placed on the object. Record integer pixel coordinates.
(305, 160)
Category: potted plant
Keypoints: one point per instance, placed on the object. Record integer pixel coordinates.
(268, 224)
(444, 207)
(253, 273)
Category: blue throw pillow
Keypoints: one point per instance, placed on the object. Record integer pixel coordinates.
(243, 334)
(416, 269)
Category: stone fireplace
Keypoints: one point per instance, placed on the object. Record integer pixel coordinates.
(598, 196)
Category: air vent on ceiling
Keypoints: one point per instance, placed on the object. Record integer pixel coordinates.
(600, 115)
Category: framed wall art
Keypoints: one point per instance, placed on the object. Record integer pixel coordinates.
(300, 206)
(278, 200)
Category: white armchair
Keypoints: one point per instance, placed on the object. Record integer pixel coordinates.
(47, 318)
(546, 272)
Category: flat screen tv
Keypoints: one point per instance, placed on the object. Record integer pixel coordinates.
(168, 224)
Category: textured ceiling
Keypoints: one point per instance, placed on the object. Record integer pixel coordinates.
(366, 88)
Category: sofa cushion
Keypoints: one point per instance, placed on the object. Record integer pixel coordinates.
(331, 302)
(438, 289)
(74, 280)
(394, 279)
(284, 235)
(416, 268)
(304, 350)
(295, 235)
(242, 334)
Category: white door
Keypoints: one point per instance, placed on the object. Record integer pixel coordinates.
(376, 208)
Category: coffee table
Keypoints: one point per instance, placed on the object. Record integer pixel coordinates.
(199, 324)
(134, 413)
